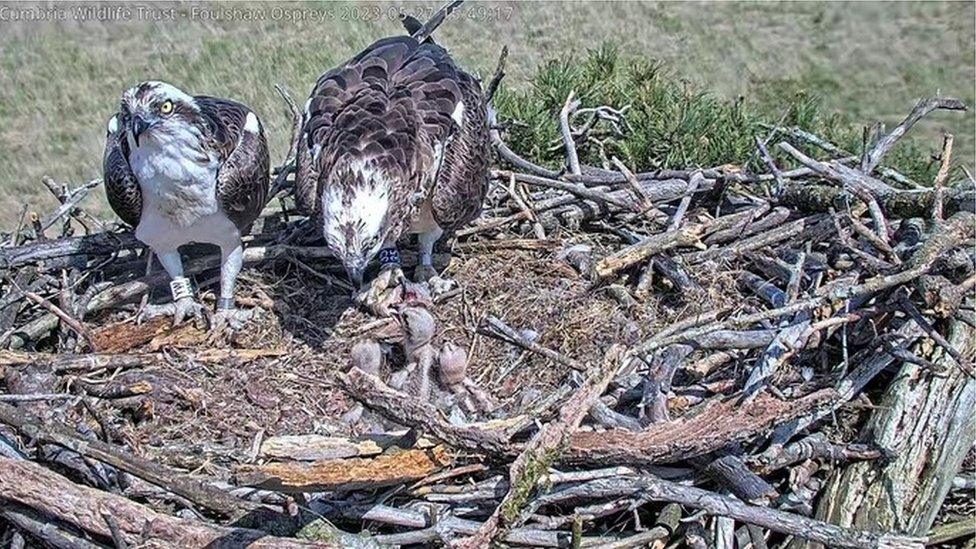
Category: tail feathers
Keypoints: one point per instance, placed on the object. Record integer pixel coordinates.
(428, 28)
(411, 24)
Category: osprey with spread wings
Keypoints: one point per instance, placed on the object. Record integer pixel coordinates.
(394, 141)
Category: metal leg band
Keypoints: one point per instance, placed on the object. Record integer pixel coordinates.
(180, 287)
(389, 256)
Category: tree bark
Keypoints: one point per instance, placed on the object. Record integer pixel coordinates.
(925, 420)
(34, 486)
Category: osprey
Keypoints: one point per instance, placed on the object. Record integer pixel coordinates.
(394, 141)
(182, 169)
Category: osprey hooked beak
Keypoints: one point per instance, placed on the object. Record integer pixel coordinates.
(137, 125)
(355, 270)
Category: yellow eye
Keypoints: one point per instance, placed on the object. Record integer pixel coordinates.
(166, 107)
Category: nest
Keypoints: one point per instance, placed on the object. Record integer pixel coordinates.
(702, 356)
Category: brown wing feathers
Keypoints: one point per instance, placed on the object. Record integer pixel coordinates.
(121, 186)
(242, 180)
(393, 104)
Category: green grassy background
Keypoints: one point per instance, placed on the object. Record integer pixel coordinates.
(831, 66)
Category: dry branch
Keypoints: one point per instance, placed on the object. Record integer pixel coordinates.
(36, 487)
(346, 474)
(201, 494)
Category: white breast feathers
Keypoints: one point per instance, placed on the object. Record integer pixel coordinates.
(178, 179)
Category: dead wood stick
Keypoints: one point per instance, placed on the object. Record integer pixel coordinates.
(643, 250)
(509, 155)
(787, 342)
(543, 450)
(748, 225)
(572, 159)
(761, 240)
(34, 486)
(344, 474)
(654, 489)
(881, 244)
(104, 243)
(764, 289)
(952, 531)
(646, 203)
(495, 327)
(770, 164)
(450, 527)
(31, 397)
(941, 177)
(436, 19)
(842, 155)
(320, 447)
(816, 446)
(51, 432)
(114, 529)
(76, 326)
(604, 415)
(922, 108)
(69, 201)
(496, 78)
(657, 383)
(746, 485)
(719, 423)
(43, 529)
(576, 189)
(679, 214)
(851, 178)
(513, 192)
(930, 331)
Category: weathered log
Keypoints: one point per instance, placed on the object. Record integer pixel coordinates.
(320, 447)
(344, 474)
(928, 439)
(201, 494)
(655, 244)
(31, 485)
(746, 485)
(98, 244)
(720, 423)
(916, 203)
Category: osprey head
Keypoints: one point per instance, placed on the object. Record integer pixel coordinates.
(156, 110)
(356, 217)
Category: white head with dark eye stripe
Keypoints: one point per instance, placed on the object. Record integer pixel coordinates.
(159, 112)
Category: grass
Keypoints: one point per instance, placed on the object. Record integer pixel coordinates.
(699, 76)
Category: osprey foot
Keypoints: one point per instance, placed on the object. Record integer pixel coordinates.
(381, 294)
(440, 286)
(436, 285)
(226, 321)
(183, 308)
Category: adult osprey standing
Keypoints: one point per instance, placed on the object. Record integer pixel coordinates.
(182, 169)
(393, 141)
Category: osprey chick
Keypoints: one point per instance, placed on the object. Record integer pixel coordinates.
(182, 169)
(394, 141)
